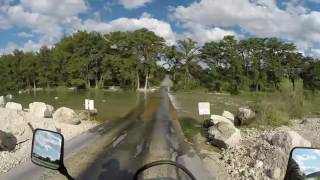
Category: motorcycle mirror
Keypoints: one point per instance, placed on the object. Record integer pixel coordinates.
(47, 149)
(304, 163)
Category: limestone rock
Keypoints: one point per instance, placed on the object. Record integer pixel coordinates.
(216, 119)
(66, 115)
(244, 116)
(287, 140)
(14, 106)
(224, 135)
(40, 109)
(228, 115)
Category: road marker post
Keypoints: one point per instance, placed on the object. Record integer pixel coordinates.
(89, 106)
(204, 109)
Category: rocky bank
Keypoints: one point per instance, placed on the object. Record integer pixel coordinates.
(259, 154)
(17, 124)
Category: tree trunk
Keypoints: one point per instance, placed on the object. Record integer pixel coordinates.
(293, 84)
(97, 82)
(101, 82)
(88, 81)
(34, 87)
(146, 82)
(187, 77)
(138, 81)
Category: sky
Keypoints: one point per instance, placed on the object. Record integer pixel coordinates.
(30, 24)
(47, 144)
(307, 159)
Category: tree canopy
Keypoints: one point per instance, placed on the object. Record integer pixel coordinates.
(141, 59)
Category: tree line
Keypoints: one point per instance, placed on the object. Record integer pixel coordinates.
(141, 59)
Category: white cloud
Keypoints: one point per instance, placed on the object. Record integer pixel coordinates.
(259, 17)
(38, 23)
(46, 19)
(161, 28)
(202, 34)
(131, 4)
(56, 8)
(25, 35)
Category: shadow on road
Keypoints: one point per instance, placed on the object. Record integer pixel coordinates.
(111, 170)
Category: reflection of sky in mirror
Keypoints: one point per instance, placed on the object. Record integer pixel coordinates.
(47, 144)
(308, 160)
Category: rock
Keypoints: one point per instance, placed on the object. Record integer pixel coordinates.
(83, 116)
(14, 106)
(207, 123)
(7, 141)
(258, 164)
(66, 115)
(224, 135)
(244, 116)
(2, 102)
(14, 122)
(228, 115)
(274, 173)
(9, 96)
(287, 140)
(216, 119)
(56, 98)
(40, 109)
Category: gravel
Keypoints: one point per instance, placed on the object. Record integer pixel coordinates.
(257, 158)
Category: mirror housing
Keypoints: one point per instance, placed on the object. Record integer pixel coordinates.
(303, 163)
(47, 149)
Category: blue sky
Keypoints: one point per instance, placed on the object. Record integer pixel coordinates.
(30, 24)
(307, 159)
(47, 144)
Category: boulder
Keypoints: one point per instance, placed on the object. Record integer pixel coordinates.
(207, 123)
(7, 141)
(40, 109)
(2, 102)
(228, 115)
(224, 135)
(287, 140)
(216, 119)
(14, 122)
(14, 106)
(9, 96)
(84, 116)
(66, 115)
(244, 116)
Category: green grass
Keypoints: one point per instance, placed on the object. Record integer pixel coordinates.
(273, 109)
(190, 126)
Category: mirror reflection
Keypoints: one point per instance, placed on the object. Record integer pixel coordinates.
(47, 147)
(305, 164)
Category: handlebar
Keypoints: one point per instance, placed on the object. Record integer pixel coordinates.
(162, 162)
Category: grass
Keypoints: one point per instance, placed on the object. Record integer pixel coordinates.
(273, 109)
(190, 126)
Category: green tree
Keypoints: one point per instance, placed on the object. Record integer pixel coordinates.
(189, 55)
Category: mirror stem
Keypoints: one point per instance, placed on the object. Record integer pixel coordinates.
(63, 170)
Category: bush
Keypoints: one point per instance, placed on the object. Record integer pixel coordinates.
(271, 113)
(294, 99)
(278, 108)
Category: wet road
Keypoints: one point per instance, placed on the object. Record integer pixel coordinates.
(118, 150)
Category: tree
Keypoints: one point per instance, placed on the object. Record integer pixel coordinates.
(189, 55)
(148, 47)
(172, 60)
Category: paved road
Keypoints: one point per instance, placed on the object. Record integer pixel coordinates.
(150, 135)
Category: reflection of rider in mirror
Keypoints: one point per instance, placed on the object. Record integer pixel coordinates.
(294, 172)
